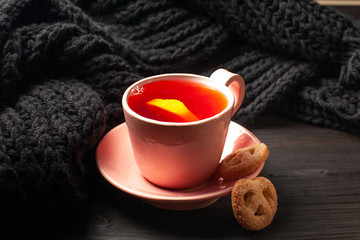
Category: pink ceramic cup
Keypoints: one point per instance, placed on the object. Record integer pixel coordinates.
(182, 155)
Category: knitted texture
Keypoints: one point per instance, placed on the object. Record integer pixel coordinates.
(64, 66)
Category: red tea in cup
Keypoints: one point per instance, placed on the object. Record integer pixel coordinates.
(175, 100)
(175, 153)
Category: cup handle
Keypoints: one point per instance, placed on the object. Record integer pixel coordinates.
(234, 82)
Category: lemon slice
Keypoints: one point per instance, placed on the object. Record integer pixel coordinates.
(173, 106)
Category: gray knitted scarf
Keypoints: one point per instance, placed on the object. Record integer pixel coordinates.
(65, 64)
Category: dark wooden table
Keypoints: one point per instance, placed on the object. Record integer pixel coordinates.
(315, 170)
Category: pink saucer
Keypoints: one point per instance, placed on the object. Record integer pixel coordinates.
(116, 163)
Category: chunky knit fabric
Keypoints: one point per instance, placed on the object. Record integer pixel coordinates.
(64, 66)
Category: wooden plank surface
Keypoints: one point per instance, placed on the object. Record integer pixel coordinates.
(315, 170)
(339, 2)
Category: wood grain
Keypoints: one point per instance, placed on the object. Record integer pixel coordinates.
(315, 170)
(339, 2)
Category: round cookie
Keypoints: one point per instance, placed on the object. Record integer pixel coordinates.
(254, 202)
(242, 162)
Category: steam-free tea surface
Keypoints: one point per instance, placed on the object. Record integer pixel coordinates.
(199, 100)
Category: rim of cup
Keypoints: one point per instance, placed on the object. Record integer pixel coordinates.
(178, 76)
